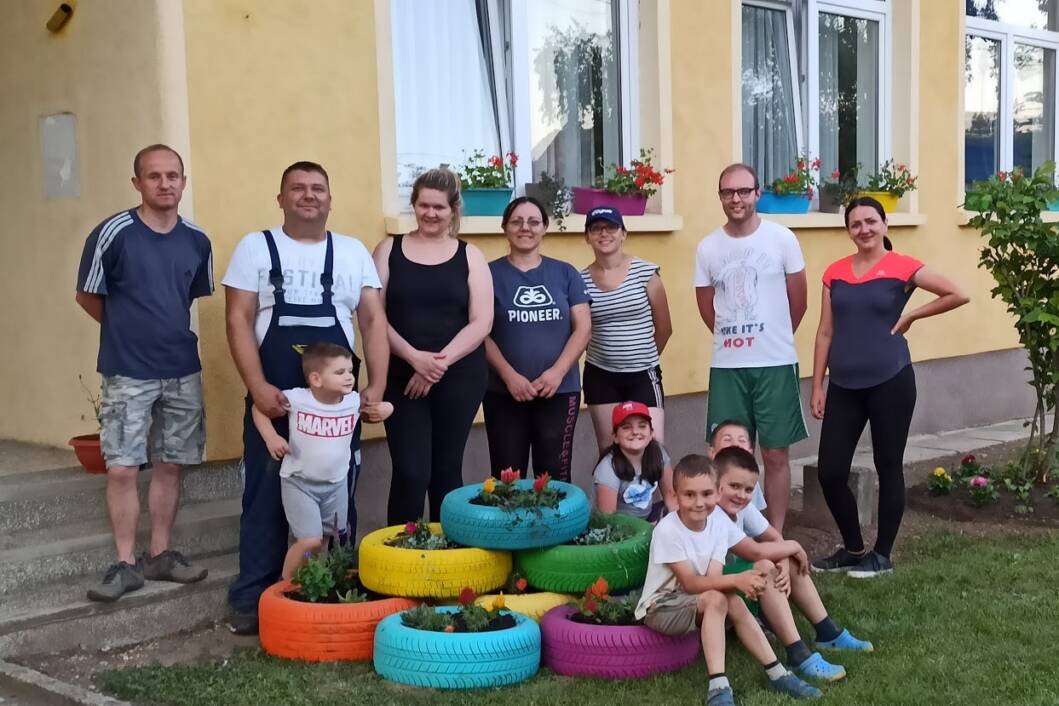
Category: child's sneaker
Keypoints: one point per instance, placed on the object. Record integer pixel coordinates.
(816, 667)
(846, 641)
(841, 560)
(872, 565)
(119, 579)
(793, 686)
(720, 697)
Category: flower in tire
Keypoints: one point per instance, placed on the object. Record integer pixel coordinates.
(598, 607)
(469, 618)
(507, 495)
(418, 535)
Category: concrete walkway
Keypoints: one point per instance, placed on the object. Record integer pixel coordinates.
(925, 447)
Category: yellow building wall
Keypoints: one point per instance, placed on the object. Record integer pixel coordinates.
(104, 68)
(272, 83)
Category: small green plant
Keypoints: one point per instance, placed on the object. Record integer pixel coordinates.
(598, 607)
(556, 198)
(479, 172)
(1019, 490)
(1053, 492)
(939, 482)
(893, 178)
(969, 468)
(470, 617)
(842, 186)
(983, 491)
(95, 399)
(641, 178)
(329, 576)
(799, 180)
(507, 496)
(418, 535)
(314, 579)
(601, 531)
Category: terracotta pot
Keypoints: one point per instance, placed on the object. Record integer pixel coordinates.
(89, 453)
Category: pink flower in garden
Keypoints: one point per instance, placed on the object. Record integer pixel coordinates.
(410, 528)
(979, 482)
(541, 482)
(836, 175)
(509, 475)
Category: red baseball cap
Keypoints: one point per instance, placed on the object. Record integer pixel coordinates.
(627, 409)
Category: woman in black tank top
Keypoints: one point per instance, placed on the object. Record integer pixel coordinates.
(439, 304)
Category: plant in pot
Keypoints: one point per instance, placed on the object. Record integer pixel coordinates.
(614, 547)
(87, 446)
(554, 196)
(838, 190)
(889, 183)
(793, 192)
(418, 560)
(458, 647)
(624, 188)
(511, 513)
(485, 183)
(600, 636)
(324, 613)
(521, 597)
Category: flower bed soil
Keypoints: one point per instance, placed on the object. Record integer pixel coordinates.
(500, 622)
(1008, 509)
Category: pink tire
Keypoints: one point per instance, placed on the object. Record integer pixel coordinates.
(610, 652)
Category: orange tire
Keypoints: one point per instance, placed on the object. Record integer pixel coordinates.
(321, 632)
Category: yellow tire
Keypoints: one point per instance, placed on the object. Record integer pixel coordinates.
(532, 605)
(436, 573)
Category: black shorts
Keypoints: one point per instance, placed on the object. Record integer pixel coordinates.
(605, 387)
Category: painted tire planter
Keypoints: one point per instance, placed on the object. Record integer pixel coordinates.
(587, 198)
(442, 660)
(495, 528)
(321, 632)
(421, 573)
(572, 568)
(611, 651)
(532, 605)
(783, 203)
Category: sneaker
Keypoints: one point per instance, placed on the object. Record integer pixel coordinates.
(720, 697)
(118, 580)
(816, 667)
(171, 565)
(841, 560)
(793, 686)
(242, 623)
(872, 565)
(846, 641)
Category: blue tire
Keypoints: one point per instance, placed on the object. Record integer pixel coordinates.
(441, 660)
(494, 528)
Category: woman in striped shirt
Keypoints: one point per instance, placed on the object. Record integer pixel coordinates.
(630, 327)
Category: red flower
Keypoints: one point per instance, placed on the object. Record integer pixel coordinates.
(901, 167)
(512, 158)
(410, 528)
(600, 588)
(816, 163)
(467, 596)
(541, 482)
(496, 161)
(640, 181)
(968, 459)
(509, 475)
(521, 584)
(591, 606)
(801, 164)
(1002, 176)
(450, 628)
(836, 175)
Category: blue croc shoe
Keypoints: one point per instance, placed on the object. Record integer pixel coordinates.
(720, 697)
(793, 686)
(846, 641)
(816, 667)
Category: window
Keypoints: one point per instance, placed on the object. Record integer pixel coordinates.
(821, 65)
(1009, 85)
(552, 80)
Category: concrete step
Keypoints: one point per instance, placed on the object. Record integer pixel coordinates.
(56, 554)
(61, 618)
(40, 499)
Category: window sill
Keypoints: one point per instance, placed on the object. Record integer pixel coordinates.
(575, 224)
(963, 217)
(799, 221)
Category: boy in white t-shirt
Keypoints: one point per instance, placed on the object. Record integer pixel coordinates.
(316, 458)
(737, 473)
(685, 589)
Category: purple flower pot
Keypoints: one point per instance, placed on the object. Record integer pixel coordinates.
(585, 199)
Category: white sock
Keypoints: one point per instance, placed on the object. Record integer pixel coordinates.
(718, 683)
(776, 671)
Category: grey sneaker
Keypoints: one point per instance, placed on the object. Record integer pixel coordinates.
(840, 561)
(171, 565)
(874, 564)
(118, 580)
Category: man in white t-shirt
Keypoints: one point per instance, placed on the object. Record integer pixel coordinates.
(288, 287)
(751, 290)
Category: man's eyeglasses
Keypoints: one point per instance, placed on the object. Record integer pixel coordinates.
(532, 223)
(729, 194)
(600, 228)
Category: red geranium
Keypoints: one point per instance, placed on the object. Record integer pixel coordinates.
(467, 596)
(541, 482)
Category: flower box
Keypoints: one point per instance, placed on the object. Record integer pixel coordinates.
(888, 200)
(783, 203)
(587, 198)
(485, 202)
(830, 200)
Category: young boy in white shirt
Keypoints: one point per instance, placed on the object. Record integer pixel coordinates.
(686, 591)
(322, 418)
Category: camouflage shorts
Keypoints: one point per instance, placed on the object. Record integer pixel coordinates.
(164, 415)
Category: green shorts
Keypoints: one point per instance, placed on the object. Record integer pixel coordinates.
(737, 565)
(767, 400)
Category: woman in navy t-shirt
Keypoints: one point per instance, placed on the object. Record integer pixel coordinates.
(541, 325)
(861, 342)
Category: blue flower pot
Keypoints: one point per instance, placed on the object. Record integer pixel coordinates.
(783, 203)
(485, 202)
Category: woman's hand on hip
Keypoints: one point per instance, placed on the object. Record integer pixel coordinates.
(817, 401)
(902, 325)
(417, 387)
(548, 383)
(520, 388)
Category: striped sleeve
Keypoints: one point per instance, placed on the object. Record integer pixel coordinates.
(202, 285)
(91, 275)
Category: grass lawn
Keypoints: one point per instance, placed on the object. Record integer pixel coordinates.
(963, 621)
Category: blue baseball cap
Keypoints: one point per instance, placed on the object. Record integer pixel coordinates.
(604, 213)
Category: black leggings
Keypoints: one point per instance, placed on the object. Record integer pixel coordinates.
(427, 438)
(545, 425)
(888, 406)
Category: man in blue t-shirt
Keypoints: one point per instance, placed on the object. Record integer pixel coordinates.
(140, 271)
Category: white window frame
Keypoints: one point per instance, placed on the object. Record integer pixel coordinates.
(1008, 35)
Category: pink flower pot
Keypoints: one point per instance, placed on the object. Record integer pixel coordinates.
(586, 199)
